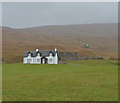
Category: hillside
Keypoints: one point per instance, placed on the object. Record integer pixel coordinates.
(102, 39)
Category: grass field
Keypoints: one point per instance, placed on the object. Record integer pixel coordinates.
(92, 80)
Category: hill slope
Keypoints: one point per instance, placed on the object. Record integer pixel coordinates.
(102, 39)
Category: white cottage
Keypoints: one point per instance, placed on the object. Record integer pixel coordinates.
(41, 57)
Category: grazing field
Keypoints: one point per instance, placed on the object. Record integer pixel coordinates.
(90, 80)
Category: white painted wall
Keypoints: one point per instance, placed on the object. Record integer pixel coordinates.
(28, 58)
(50, 60)
(34, 60)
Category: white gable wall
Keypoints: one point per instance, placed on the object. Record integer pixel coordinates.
(28, 60)
(37, 60)
(50, 60)
(56, 58)
(25, 60)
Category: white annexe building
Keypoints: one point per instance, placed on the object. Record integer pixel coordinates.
(41, 57)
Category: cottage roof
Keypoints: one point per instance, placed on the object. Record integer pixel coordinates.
(42, 53)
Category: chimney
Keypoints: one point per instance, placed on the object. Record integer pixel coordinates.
(55, 49)
(37, 50)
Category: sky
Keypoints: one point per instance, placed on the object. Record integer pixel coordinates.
(31, 14)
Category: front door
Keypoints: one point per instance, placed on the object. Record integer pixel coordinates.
(44, 60)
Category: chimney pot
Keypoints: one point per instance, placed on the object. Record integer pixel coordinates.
(37, 50)
(55, 49)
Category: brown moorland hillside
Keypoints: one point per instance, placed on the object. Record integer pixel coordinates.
(102, 40)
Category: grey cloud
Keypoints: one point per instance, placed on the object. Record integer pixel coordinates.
(23, 15)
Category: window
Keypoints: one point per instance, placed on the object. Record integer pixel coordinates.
(38, 54)
(50, 54)
(50, 60)
(29, 54)
(38, 60)
(28, 60)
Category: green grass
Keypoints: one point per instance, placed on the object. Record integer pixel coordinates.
(92, 80)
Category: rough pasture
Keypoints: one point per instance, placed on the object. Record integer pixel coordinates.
(89, 80)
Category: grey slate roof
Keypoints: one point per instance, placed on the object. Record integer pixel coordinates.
(42, 53)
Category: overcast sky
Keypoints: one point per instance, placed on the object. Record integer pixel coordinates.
(29, 14)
